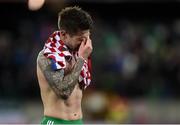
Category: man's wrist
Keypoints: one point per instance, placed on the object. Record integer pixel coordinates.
(85, 60)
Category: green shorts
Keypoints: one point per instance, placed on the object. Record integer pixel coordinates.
(53, 121)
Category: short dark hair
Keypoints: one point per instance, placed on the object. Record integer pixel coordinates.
(74, 19)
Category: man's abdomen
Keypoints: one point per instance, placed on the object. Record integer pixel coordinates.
(69, 109)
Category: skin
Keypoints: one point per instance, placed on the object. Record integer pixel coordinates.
(60, 92)
(77, 39)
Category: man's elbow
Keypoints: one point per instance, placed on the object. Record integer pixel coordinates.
(63, 95)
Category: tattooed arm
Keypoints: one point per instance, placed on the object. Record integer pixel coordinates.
(62, 85)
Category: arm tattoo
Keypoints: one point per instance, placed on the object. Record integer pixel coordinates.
(61, 85)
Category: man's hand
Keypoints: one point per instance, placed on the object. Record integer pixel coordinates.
(85, 48)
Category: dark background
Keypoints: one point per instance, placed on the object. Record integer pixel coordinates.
(135, 56)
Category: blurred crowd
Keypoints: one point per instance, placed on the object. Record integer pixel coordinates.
(131, 59)
(138, 59)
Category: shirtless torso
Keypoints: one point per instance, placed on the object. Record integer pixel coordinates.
(55, 105)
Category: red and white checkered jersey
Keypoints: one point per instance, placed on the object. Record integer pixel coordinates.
(56, 50)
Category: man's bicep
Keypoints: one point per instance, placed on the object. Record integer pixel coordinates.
(50, 74)
(42, 61)
(54, 78)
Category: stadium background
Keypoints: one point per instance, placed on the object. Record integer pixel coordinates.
(136, 60)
